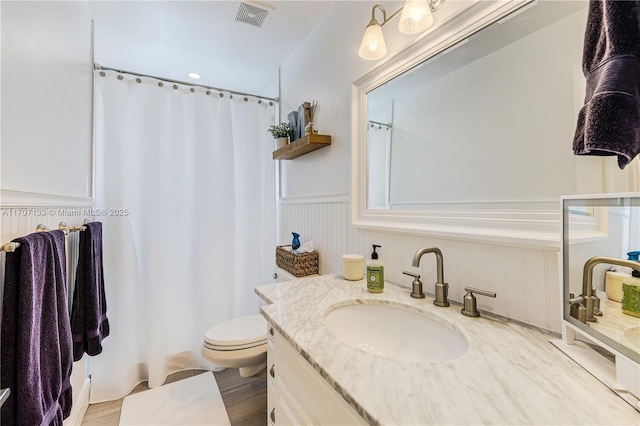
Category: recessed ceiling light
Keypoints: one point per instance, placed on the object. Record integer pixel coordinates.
(194, 75)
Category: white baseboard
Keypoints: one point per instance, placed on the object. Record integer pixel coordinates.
(80, 405)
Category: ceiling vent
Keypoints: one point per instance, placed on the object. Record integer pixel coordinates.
(253, 13)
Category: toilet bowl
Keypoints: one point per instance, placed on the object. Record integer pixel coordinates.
(238, 343)
(241, 342)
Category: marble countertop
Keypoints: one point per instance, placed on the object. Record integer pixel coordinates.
(510, 374)
(613, 323)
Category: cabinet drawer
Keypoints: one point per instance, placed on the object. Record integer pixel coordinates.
(323, 404)
(288, 410)
(272, 397)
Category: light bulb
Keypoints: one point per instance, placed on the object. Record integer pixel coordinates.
(416, 17)
(373, 46)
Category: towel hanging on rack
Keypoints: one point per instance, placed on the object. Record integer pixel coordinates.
(36, 347)
(609, 122)
(89, 322)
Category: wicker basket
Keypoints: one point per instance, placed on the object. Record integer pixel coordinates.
(298, 264)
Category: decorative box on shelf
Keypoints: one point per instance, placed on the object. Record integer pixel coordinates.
(302, 146)
(298, 264)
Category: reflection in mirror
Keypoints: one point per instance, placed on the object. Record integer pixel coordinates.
(487, 121)
(379, 130)
(616, 292)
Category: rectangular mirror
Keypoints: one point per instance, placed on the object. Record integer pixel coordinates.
(617, 324)
(472, 133)
(491, 120)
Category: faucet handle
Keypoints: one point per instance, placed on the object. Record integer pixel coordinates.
(470, 308)
(416, 291)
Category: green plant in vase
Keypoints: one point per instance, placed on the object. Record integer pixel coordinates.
(281, 133)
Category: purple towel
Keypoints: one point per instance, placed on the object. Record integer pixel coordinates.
(64, 324)
(89, 322)
(609, 122)
(36, 337)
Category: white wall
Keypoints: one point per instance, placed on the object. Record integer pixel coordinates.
(46, 136)
(46, 97)
(324, 68)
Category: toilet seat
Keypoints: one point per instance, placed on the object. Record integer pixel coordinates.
(232, 347)
(236, 334)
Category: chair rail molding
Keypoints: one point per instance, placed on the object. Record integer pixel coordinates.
(11, 198)
(338, 197)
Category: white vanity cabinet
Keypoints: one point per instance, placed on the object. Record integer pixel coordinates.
(297, 394)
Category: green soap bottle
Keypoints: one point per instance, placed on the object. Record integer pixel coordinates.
(375, 273)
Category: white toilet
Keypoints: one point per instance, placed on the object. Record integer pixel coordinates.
(240, 342)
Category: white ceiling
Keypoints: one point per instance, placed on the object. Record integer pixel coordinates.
(172, 38)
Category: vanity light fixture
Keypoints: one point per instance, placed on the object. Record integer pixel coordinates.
(416, 17)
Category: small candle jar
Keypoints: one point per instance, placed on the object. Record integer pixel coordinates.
(353, 267)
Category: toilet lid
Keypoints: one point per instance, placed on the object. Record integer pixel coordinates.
(244, 331)
(234, 347)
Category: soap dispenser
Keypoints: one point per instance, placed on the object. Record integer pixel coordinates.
(375, 273)
(631, 289)
(635, 256)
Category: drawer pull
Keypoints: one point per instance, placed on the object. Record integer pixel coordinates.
(272, 371)
(273, 415)
(271, 331)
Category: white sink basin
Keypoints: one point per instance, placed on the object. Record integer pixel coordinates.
(632, 334)
(396, 333)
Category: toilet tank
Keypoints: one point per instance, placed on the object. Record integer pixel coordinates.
(280, 275)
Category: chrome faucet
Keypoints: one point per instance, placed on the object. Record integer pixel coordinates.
(441, 287)
(588, 300)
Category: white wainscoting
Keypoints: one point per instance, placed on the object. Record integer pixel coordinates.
(325, 220)
(525, 279)
(20, 214)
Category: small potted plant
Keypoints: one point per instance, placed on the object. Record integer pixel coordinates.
(281, 133)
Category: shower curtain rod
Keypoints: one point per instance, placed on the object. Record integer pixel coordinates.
(11, 247)
(233, 92)
(379, 123)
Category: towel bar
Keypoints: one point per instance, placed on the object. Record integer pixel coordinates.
(10, 247)
(4, 394)
(63, 226)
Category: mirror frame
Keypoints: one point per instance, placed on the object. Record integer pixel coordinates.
(527, 223)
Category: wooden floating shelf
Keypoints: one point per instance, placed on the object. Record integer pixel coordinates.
(304, 145)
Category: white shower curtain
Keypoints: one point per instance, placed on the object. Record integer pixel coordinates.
(185, 190)
(379, 166)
